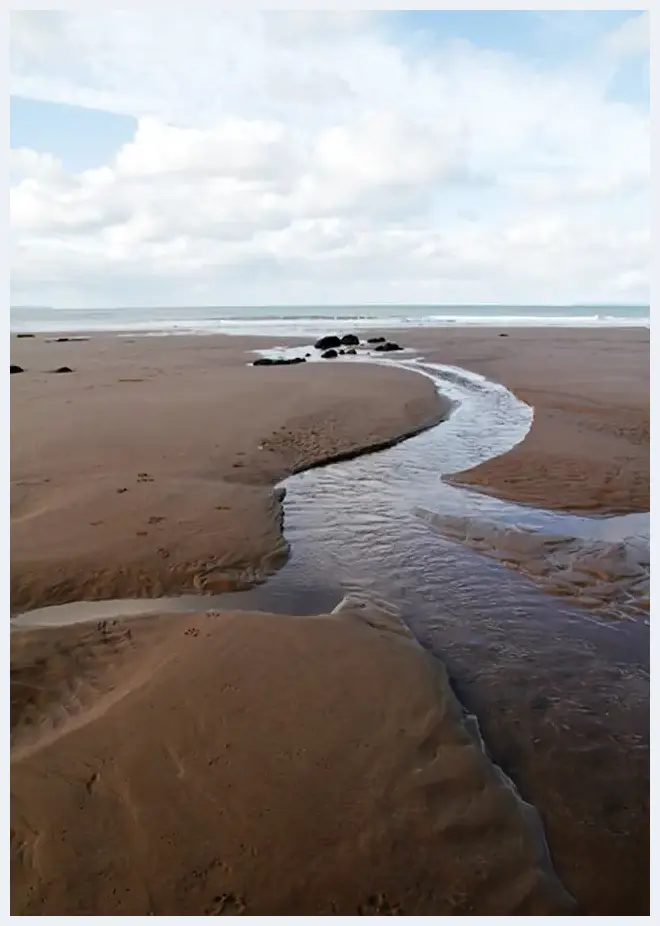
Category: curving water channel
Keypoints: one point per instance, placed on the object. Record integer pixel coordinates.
(388, 522)
(540, 617)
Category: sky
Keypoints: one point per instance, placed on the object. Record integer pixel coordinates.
(216, 158)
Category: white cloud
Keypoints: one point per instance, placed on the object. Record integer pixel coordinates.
(297, 157)
(631, 38)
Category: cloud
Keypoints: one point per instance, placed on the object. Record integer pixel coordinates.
(304, 157)
(631, 38)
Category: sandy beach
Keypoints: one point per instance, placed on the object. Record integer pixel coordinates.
(256, 763)
(152, 464)
(306, 793)
(588, 449)
(150, 469)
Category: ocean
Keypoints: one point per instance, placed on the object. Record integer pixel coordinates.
(286, 320)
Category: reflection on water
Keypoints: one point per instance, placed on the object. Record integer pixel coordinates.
(561, 692)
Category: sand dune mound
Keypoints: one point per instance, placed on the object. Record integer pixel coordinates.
(249, 763)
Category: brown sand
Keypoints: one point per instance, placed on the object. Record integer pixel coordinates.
(213, 764)
(141, 474)
(136, 747)
(588, 449)
(149, 471)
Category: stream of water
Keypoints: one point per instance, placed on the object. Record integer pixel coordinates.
(540, 617)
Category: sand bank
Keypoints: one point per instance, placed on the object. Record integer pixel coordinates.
(313, 766)
(136, 472)
(149, 470)
(588, 449)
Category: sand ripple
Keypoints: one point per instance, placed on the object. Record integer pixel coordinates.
(611, 577)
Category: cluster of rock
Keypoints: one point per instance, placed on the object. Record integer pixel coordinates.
(332, 345)
(14, 368)
(388, 346)
(333, 341)
(278, 361)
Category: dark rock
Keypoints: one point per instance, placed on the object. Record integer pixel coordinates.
(64, 340)
(15, 369)
(350, 339)
(24, 335)
(278, 361)
(351, 350)
(378, 340)
(329, 354)
(341, 353)
(308, 355)
(503, 335)
(388, 346)
(330, 340)
(63, 370)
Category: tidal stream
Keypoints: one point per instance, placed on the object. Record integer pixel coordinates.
(540, 617)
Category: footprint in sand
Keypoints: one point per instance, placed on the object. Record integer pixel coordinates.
(91, 782)
(379, 905)
(225, 905)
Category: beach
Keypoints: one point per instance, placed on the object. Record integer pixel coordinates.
(263, 765)
(588, 449)
(273, 764)
(150, 469)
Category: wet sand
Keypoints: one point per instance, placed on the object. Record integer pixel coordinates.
(588, 449)
(117, 730)
(149, 471)
(258, 764)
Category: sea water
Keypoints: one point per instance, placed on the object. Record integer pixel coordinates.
(282, 321)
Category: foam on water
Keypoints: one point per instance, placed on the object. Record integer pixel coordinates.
(292, 321)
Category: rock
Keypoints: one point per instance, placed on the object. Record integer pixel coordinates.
(63, 370)
(503, 335)
(330, 340)
(378, 340)
(24, 335)
(278, 361)
(388, 346)
(351, 350)
(15, 369)
(308, 355)
(350, 339)
(341, 353)
(329, 354)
